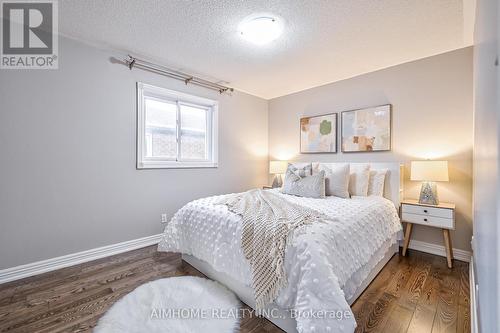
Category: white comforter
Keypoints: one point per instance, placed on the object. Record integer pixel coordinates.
(325, 263)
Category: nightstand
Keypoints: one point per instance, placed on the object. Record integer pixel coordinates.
(437, 216)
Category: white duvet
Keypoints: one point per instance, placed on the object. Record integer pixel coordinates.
(325, 263)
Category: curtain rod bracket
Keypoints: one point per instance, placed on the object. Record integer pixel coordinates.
(186, 81)
(130, 62)
(223, 90)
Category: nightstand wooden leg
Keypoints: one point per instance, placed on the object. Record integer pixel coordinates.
(409, 226)
(449, 249)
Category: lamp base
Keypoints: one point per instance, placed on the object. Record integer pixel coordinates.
(277, 182)
(428, 194)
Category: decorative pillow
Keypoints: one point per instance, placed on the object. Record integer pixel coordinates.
(309, 186)
(376, 182)
(300, 169)
(358, 181)
(336, 178)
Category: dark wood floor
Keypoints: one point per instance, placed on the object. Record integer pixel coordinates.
(411, 294)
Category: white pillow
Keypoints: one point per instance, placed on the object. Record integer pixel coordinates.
(376, 182)
(336, 178)
(358, 181)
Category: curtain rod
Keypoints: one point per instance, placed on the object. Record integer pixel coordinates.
(132, 62)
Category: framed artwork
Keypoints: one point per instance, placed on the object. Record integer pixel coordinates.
(318, 134)
(366, 130)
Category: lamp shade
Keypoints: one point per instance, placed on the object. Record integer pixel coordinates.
(431, 171)
(277, 167)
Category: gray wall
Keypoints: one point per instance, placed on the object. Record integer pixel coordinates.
(67, 138)
(68, 180)
(432, 118)
(486, 167)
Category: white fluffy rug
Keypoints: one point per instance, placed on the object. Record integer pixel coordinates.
(175, 305)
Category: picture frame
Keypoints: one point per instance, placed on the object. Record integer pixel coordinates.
(366, 130)
(318, 134)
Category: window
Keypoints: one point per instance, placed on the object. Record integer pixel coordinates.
(175, 130)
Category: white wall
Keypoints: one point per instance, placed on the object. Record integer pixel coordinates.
(432, 118)
(486, 167)
(68, 180)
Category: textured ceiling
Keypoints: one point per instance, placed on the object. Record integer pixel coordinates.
(323, 41)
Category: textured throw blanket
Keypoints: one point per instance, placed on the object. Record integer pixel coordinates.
(268, 225)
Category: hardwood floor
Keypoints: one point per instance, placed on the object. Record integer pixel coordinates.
(417, 293)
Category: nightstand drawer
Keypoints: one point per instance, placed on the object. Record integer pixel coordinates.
(433, 221)
(428, 211)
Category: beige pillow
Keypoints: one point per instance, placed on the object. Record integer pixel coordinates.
(359, 178)
(377, 182)
(336, 178)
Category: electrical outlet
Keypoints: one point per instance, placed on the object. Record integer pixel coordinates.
(164, 218)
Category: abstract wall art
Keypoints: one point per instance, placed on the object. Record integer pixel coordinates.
(366, 130)
(318, 134)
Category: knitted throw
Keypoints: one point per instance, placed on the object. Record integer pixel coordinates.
(268, 225)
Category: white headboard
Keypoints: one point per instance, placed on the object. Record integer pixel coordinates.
(393, 187)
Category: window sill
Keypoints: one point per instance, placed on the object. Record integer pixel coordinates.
(175, 165)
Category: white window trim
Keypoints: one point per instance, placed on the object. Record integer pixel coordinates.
(180, 98)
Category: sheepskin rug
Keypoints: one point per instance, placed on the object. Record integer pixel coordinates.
(175, 305)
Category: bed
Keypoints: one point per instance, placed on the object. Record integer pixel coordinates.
(327, 265)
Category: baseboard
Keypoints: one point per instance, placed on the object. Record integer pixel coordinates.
(439, 250)
(39, 267)
(473, 298)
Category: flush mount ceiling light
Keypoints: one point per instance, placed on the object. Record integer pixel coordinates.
(261, 29)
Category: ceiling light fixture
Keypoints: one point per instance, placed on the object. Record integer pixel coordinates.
(261, 29)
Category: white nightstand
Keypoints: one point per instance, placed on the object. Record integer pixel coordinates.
(438, 216)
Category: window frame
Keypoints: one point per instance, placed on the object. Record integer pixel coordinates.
(171, 96)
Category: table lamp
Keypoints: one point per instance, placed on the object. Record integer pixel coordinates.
(277, 168)
(429, 172)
